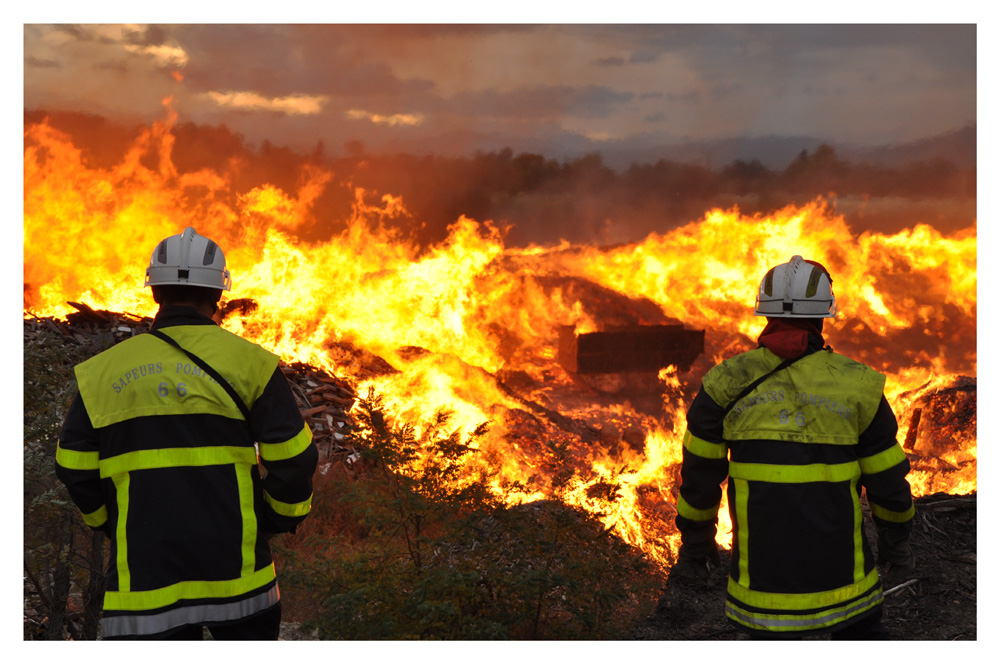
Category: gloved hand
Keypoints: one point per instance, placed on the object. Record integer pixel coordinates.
(898, 554)
(698, 560)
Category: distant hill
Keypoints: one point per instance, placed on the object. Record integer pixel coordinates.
(958, 147)
(776, 152)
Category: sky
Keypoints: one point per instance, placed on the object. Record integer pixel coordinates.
(552, 88)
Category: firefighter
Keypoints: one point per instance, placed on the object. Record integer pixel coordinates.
(800, 432)
(161, 450)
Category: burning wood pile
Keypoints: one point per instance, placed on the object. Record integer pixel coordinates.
(567, 435)
(325, 401)
(938, 415)
(555, 404)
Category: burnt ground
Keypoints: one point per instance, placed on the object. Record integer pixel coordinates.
(940, 605)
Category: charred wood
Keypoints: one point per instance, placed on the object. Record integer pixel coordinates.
(240, 306)
(640, 348)
(911, 433)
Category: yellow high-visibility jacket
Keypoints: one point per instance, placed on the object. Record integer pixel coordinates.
(797, 452)
(156, 454)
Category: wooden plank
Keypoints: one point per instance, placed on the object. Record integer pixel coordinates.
(640, 348)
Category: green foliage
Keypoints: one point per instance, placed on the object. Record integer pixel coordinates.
(425, 550)
(60, 559)
(49, 386)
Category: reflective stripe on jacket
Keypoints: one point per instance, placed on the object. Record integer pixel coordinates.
(790, 449)
(168, 455)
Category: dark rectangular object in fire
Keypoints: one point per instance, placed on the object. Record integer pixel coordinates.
(639, 348)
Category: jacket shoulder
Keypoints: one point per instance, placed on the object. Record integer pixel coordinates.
(123, 348)
(245, 345)
(724, 381)
(857, 370)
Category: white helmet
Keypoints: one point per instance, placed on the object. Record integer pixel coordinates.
(796, 289)
(188, 259)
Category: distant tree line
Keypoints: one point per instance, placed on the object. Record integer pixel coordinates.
(542, 199)
(565, 197)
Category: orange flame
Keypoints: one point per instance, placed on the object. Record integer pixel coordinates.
(463, 321)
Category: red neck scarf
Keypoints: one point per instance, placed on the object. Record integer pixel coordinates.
(788, 337)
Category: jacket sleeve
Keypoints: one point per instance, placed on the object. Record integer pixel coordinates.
(286, 453)
(77, 456)
(705, 465)
(884, 467)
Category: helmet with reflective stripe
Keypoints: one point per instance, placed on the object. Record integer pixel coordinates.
(796, 289)
(188, 259)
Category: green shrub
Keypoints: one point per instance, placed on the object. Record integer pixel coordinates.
(423, 549)
(63, 559)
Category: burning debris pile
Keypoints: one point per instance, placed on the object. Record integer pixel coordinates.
(571, 439)
(325, 402)
(940, 434)
(940, 415)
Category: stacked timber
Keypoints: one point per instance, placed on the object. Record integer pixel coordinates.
(325, 402)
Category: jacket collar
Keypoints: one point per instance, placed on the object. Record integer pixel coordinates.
(171, 315)
(790, 337)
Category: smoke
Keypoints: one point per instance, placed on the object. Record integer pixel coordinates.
(535, 199)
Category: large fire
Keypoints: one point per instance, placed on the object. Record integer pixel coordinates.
(472, 325)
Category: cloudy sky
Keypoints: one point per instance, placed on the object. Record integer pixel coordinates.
(557, 89)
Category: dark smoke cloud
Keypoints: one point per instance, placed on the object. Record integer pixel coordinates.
(31, 61)
(152, 35)
(563, 90)
(543, 200)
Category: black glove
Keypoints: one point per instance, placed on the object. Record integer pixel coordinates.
(698, 560)
(899, 556)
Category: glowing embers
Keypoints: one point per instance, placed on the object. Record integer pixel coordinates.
(940, 439)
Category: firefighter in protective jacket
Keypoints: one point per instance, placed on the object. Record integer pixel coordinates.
(161, 451)
(799, 431)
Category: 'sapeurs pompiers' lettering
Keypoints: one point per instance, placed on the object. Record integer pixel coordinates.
(135, 374)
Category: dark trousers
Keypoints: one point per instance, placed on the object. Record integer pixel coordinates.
(869, 628)
(263, 626)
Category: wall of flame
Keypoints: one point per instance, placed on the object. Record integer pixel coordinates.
(478, 308)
